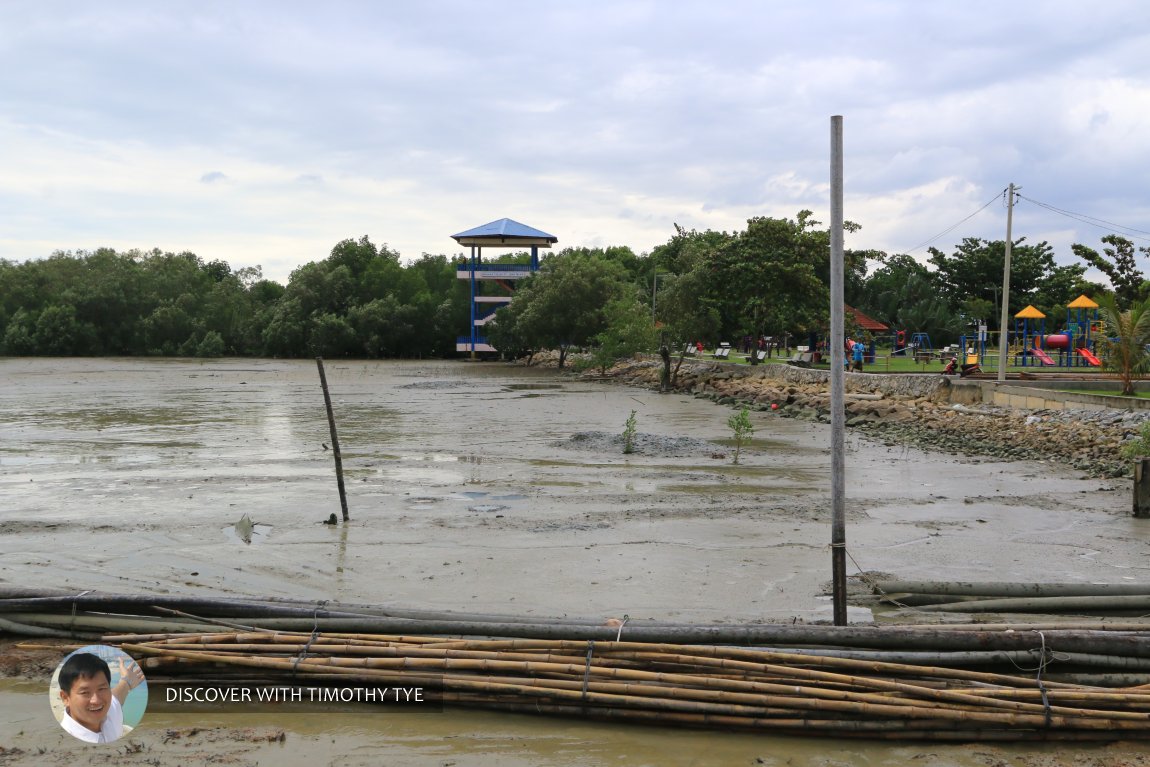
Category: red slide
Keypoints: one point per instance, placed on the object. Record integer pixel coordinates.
(1089, 355)
(1046, 360)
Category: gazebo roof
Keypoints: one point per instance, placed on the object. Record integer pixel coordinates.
(865, 322)
(505, 233)
(1029, 313)
(1082, 302)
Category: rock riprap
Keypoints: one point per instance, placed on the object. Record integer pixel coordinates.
(914, 410)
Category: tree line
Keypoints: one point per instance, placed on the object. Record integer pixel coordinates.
(772, 278)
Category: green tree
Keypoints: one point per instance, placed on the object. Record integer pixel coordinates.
(211, 345)
(686, 314)
(331, 336)
(166, 329)
(510, 335)
(767, 279)
(974, 271)
(59, 333)
(563, 304)
(687, 250)
(629, 330)
(287, 328)
(20, 334)
(1117, 262)
(1128, 333)
(899, 293)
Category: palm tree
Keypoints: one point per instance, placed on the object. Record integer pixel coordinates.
(1124, 350)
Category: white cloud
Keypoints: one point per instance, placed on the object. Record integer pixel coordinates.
(264, 133)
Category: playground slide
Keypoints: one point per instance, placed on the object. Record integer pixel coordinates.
(1040, 354)
(1089, 356)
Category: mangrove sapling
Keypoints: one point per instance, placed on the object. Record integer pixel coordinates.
(740, 424)
(629, 434)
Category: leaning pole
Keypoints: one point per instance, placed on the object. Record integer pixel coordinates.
(838, 414)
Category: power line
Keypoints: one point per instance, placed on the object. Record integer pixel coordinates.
(948, 230)
(1092, 221)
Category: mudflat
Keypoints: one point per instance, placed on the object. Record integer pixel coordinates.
(481, 487)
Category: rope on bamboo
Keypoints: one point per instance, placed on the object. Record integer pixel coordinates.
(619, 636)
(1041, 686)
(587, 668)
(72, 625)
(311, 639)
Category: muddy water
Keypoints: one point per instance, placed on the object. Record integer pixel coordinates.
(470, 490)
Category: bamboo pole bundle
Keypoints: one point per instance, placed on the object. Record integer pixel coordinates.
(766, 707)
(708, 686)
(958, 681)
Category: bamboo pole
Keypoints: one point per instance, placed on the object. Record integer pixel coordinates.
(1007, 589)
(1138, 603)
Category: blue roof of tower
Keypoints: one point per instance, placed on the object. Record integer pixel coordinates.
(504, 230)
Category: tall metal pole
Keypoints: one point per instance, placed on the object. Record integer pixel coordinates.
(1004, 317)
(838, 413)
(473, 334)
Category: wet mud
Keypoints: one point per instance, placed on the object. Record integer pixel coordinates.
(486, 488)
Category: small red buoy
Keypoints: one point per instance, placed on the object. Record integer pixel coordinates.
(774, 406)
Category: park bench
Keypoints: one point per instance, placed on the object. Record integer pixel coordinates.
(801, 359)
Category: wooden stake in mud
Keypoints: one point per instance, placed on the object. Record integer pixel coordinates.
(334, 439)
(1142, 487)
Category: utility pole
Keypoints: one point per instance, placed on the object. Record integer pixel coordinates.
(1004, 317)
(838, 414)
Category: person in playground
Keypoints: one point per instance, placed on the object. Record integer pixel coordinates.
(93, 708)
(857, 356)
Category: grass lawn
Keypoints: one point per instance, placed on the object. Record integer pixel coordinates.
(1105, 392)
(901, 364)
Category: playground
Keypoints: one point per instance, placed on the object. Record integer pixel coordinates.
(1032, 350)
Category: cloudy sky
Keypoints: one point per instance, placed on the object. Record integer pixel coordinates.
(262, 133)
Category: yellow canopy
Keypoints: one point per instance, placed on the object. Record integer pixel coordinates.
(1082, 302)
(1029, 313)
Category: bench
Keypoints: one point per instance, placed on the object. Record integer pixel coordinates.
(801, 359)
(722, 353)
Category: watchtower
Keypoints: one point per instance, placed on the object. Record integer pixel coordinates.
(503, 233)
